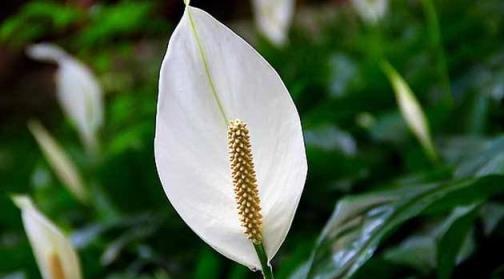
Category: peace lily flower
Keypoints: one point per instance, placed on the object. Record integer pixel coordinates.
(78, 91)
(411, 110)
(57, 158)
(54, 253)
(273, 18)
(371, 11)
(229, 147)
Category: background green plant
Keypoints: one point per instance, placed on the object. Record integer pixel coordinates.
(373, 201)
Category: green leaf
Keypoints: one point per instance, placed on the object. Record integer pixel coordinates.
(488, 159)
(450, 244)
(38, 18)
(421, 250)
(112, 21)
(360, 223)
(417, 251)
(491, 215)
(208, 265)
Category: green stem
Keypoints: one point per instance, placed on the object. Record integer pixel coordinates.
(377, 49)
(436, 43)
(267, 272)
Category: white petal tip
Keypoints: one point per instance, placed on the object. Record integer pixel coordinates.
(22, 201)
(46, 52)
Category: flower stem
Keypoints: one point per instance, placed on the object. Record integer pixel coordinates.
(437, 45)
(267, 272)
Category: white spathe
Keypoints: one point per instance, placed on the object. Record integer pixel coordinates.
(208, 77)
(273, 18)
(47, 241)
(411, 110)
(371, 11)
(78, 91)
(59, 161)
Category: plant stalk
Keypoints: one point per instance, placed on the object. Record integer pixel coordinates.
(437, 45)
(267, 272)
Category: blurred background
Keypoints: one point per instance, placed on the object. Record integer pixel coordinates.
(451, 53)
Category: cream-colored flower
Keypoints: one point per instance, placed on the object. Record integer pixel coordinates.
(411, 110)
(371, 11)
(229, 147)
(78, 91)
(57, 158)
(54, 253)
(273, 18)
